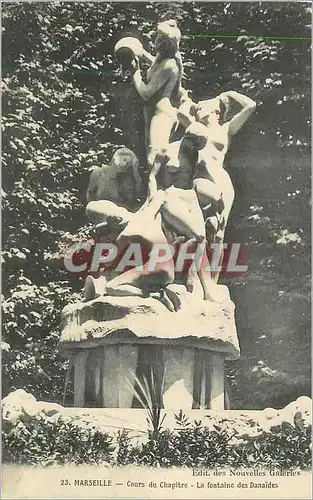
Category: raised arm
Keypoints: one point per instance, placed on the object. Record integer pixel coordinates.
(159, 78)
(147, 57)
(186, 112)
(248, 107)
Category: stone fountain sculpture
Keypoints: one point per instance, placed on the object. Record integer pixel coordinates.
(156, 315)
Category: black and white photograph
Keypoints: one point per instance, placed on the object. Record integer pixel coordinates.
(156, 249)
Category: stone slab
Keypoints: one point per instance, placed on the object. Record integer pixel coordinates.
(112, 320)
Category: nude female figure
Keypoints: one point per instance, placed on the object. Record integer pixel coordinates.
(162, 95)
(212, 183)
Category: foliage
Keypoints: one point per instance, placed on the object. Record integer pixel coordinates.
(58, 442)
(66, 108)
(195, 445)
(149, 394)
(286, 447)
(191, 445)
(44, 442)
(31, 314)
(126, 453)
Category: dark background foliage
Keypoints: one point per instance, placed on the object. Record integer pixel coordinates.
(66, 108)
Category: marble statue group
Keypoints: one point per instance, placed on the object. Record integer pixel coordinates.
(174, 321)
(189, 193)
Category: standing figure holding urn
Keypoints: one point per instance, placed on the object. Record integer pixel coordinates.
(162, 95)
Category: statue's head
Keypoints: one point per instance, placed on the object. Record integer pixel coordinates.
(209, 111)
(195, 137)
(212, 111)
(123, 159)
(167, 39)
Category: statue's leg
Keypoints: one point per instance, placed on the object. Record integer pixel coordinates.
(97, 287)
(161, 124)
(216, 200)
(160, 129)
(141, 282)
(182, 212)
(219, 194)
(156, 160)
(153, 275)
(207, 282)
(100, 210)
(202, 271)
(194, 283)
(125, 290)
(209, 195)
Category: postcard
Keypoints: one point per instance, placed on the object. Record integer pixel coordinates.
(156, 337)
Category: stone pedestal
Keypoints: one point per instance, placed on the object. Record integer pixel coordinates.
(185, 379)
(120, 344)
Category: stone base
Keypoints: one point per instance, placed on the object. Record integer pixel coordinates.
(111, 320)
(171, 377)
(121, 344)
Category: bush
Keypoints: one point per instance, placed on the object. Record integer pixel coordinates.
(195, 445)
(284, 447)
(42, 442)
